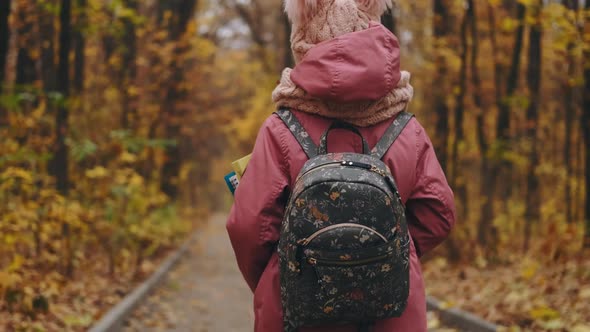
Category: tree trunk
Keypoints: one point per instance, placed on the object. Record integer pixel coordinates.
(63, 85)
(184, 10)
(503, 125)
(4, 46)
(569, 120)
(488, 171)
(79, 47)
(172, 165)
(459, 185)
(288, 60)
(25, 66)
(129, 68)
(475, 78)
(47, 50)
(497, 168)
(460, 99)
(4, 37)
(389, 21)
(586, 131)
(60, 160)
(442, 30)
(534, 69)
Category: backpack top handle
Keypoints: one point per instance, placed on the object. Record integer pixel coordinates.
(323, 148)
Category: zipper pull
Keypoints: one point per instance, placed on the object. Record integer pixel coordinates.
(303, 242)
(371, 168)
(357, 164)
(378, 171)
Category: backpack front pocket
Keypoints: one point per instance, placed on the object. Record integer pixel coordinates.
(361, 281)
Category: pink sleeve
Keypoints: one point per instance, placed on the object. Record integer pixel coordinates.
(255, 218)
(431, 206)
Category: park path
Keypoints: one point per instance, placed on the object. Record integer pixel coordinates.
(204, 293)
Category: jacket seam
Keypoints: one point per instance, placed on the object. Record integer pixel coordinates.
(389, 70)
(284, 150)
(336, 78)
(265, 224)
(418, 154)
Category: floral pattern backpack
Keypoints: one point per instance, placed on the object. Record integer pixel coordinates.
(344, 245)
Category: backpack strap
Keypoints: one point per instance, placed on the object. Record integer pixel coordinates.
(391, 134)
(309, 147)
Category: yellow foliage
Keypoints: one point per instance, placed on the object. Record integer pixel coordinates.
(97, 172)
(544, 313)
(529, 270)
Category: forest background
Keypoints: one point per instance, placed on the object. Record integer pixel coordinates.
(119, 119)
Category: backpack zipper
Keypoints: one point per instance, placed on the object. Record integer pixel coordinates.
(318, 168)
(318, 261)
(307, 240)
(368, 167)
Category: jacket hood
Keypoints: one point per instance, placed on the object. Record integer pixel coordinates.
(355, 67)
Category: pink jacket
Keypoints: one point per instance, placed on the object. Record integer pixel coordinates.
(255, 218)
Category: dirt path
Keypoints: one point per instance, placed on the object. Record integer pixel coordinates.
(205, 293)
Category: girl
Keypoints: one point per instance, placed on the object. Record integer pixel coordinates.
(348, 68)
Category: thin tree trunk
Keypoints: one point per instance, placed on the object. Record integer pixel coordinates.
(502, 167)
(4, 37)
(567, 150)
(47, 50)
(489, 171)
(63, 85)
(129, 69)
(534, 86)
(171, 168)
(504, 120)
(460, 99)
(580, 169)
(442, 30)
(390, 22)
(79, 47)
(25, 68)
(459, 186)
(4, 46)
(475, 78)
(569, 120)
(288, 60)
(60, 160)
(498, 68)
(25, 73)
(586, 130)
(503, 126)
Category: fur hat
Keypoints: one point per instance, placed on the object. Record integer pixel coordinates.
(315, 21)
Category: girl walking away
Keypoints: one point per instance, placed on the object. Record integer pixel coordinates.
(344, 192)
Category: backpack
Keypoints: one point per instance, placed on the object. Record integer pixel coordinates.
(344, 243)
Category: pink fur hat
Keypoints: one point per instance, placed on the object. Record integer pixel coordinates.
(315, 21)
